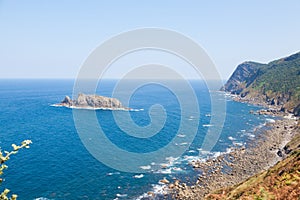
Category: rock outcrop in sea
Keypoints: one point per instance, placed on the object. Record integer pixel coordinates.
(92, 102)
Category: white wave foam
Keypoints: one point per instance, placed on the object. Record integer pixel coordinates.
(156, 189)
(112, 173)
(164, 171)
(219, 153)
(176, 169)
(183, 143)
(211, 154)
(238, 143)
(147, 167)
(231, 138)
(250, 135)
(42, 198)
(228, 150)
(207, 125)
(139, 176)
(203, 152)
(181, 135)
(171, 159)
(270, 120)
(260, 126)
(191, 158)
(164, 165)
(135, 110)
(290, 116)
(159, 189)
(53, 105)
(98, 108)
(121, 195)
(166, 168)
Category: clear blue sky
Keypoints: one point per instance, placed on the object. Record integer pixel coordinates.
(51, 39)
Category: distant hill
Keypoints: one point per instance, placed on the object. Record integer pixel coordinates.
(276, 83)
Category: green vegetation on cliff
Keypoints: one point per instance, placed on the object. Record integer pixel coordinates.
(276, 83)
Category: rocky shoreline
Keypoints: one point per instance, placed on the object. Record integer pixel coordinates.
(259, 101)
(241, 162)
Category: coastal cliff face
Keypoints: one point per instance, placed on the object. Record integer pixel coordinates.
(92, 101)
(274, 84)
(242, 77)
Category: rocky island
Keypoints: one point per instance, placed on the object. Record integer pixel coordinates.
(93, 102)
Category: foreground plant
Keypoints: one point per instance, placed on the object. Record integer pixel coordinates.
(5, 157)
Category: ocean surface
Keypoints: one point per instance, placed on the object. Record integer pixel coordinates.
(59, 166)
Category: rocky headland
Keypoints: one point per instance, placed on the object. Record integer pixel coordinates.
(275, 85)
(84, 101)
(269, 167)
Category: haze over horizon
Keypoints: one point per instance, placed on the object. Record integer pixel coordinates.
(42, 39)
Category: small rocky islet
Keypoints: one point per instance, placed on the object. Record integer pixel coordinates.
(92, 101)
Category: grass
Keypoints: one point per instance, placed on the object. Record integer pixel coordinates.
(282, 181)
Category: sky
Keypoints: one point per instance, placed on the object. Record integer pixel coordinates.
(52, 39)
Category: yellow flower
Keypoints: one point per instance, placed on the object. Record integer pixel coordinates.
(14, 197)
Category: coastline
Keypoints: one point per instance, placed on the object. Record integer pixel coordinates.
(240, 163)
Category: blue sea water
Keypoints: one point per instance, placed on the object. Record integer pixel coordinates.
(58, 166)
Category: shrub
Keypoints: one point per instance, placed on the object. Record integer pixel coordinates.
(5, 156)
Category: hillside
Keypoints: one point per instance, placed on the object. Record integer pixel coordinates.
(281, 181)
(274, 84)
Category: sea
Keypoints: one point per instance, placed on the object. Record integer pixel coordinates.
(62, 162)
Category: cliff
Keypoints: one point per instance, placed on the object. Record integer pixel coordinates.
(92, 102)
(242, 77)
(274, 84)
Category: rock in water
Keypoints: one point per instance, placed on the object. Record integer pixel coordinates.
(164, 181)
(92, 102)
(67, 100)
